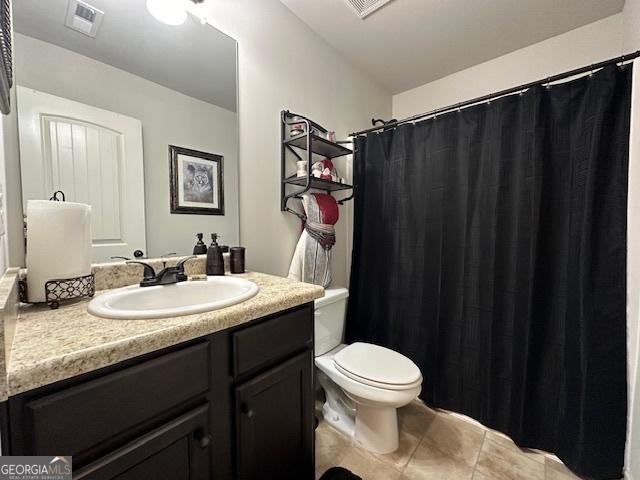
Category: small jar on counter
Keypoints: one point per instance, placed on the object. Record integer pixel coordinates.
(237, 260)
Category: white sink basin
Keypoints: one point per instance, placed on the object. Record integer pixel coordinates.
(163, 301)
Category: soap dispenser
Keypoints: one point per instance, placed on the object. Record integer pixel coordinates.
(215, 260)
(200, 248)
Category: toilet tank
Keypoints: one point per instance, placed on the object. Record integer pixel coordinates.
(329, 322)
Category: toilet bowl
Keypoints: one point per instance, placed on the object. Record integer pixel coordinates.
(364, 384)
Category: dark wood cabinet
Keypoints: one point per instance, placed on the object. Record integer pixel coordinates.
(100, 410)
(274, 418)
(235, 404)
(178, 450)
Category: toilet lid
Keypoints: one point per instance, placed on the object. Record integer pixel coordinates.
(377, 365)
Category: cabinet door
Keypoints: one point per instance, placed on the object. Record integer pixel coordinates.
(275, 423)
(179, 450)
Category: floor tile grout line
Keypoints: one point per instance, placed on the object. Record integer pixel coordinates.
(475, 465)
(413, 454)
(423, 440)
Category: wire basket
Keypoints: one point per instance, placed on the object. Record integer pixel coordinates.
(63, 290)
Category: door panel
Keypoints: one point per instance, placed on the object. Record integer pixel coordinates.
(85, 162)
(179, 450)
(94, 156)
(172, 463)
(274, 418)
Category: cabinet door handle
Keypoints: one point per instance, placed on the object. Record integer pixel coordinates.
(244, 408)
(204, 441)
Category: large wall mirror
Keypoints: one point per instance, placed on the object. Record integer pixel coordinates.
(133, 116)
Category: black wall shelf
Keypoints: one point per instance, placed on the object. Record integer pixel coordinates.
(318, 183)
(303, 147)
(319, 146)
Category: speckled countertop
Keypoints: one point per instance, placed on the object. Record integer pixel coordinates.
(52, 345)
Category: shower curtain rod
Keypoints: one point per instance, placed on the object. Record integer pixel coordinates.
(484, 98)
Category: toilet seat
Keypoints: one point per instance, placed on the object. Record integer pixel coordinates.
(377, 366)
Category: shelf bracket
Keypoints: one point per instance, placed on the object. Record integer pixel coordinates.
(342, 201)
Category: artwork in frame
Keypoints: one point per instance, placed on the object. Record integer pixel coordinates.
(197, 181)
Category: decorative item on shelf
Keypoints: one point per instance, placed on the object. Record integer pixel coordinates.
(306, 140)
(325, 170)
(197, 181)
(296, 129)
(301, 168)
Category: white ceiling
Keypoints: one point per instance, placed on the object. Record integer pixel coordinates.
(194, 59)
(411, 42)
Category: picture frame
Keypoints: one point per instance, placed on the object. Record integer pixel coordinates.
(6, 56)
(196, 182)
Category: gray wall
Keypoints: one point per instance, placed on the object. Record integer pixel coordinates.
(167, 118)
(12, 197)
(283, 64)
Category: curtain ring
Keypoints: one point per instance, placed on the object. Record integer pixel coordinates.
(621, 65)
(548, 85)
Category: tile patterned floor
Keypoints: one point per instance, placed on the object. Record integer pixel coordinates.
(438, 445)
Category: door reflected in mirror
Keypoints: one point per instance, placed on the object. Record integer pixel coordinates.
(103, 112)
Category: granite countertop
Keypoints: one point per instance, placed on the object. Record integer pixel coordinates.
(53, 345)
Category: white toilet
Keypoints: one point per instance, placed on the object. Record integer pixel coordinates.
(364, 384)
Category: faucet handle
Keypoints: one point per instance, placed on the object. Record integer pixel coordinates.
(149, 272)
(182, 261)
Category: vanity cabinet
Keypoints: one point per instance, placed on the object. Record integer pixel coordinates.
(274, 414)
(235, 404)
(178, 450)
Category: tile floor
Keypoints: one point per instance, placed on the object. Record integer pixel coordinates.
(436, 445)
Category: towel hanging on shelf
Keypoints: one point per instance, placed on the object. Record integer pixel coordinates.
(311, 262)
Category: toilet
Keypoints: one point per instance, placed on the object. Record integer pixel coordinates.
(364, 384)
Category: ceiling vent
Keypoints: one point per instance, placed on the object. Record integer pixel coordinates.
(364, 8)
(83, 18)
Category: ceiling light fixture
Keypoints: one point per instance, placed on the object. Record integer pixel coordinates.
(171, 12)
(174, 12)
(199, 11)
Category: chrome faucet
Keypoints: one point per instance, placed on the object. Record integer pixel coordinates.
(166, 276)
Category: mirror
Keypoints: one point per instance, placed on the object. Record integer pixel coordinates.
(133, 116)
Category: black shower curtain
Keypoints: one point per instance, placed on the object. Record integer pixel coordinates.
(490, 248)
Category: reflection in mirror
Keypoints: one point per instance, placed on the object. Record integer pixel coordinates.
(133, 116)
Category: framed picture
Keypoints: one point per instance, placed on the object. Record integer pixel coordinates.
(197, 181)
(6, 53)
